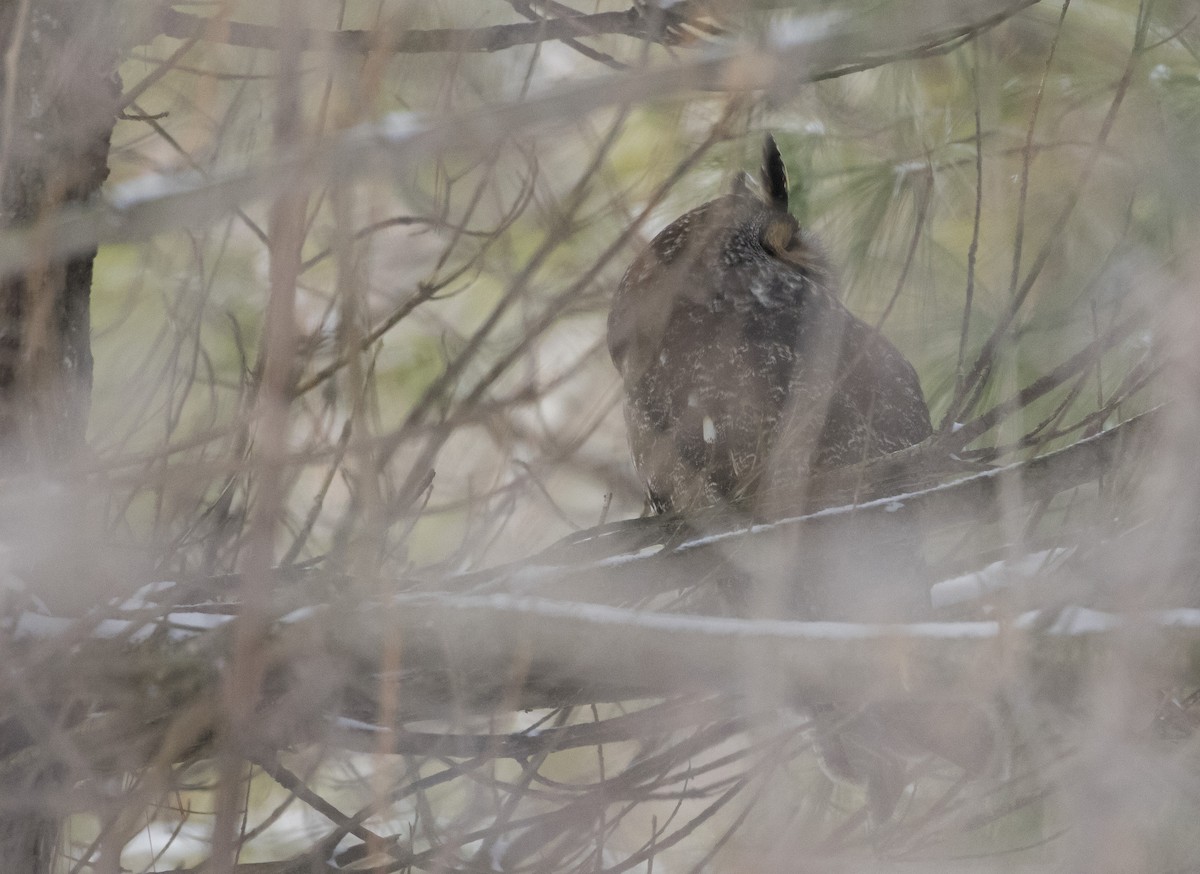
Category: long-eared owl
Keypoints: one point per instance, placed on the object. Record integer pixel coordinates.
(743, 371)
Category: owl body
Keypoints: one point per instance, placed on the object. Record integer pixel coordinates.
(743, 371)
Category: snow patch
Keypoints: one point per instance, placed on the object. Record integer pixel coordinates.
(996, 576)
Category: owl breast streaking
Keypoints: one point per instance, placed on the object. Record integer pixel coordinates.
(744, 373)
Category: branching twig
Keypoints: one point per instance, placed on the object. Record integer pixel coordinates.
(150, 207)
(633, 22)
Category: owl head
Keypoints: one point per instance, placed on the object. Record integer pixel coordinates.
(750, 226)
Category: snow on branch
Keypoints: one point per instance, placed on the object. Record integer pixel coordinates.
(525, 636)
(813, 49)
(623, 559)
(663, 26)
(458, 652)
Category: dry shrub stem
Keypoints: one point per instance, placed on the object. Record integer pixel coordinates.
(614, 702)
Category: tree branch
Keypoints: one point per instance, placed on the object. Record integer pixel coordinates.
(658, 26)
(640, 557)
(459, 650)
(156, 204)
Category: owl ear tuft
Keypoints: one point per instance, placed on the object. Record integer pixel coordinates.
(774, 175)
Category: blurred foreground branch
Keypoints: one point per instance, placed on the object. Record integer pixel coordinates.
(504, 647)
(134, 688)
(822, 49)
(658, 25)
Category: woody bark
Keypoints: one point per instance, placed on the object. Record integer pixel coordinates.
(60, 98)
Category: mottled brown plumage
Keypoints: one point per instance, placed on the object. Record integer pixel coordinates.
(744, 373)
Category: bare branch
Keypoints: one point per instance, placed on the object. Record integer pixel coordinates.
(151, 206)
(635, 22)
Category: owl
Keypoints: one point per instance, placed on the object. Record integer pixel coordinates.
(744, 374)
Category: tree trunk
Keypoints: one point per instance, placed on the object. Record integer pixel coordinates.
(59, 99)
(56, 119)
